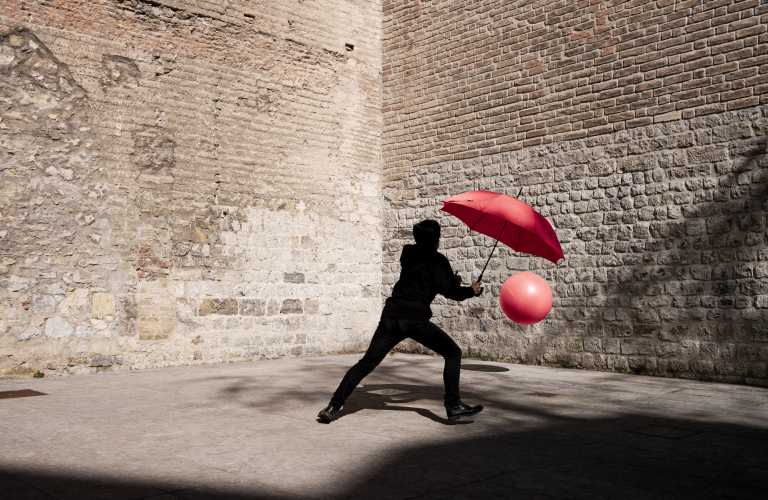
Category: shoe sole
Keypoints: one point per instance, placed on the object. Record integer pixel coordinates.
(324, 416)
(470, 414)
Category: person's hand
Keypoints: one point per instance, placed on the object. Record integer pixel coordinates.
(457, 278)
(477, 287)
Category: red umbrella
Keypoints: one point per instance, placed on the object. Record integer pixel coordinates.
(508, 220)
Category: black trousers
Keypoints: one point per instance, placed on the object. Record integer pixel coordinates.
(389, 333)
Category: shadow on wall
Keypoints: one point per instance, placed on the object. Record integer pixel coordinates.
(664, 232)
(682, 294)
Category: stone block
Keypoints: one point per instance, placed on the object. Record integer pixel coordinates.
(293, 277)
(575, 345)
(217, 306)
(23, 333)
(727, 287)
(709, 349)
(724, 368)
(311, 306)
(750, 315)
(718, 225)
(42, 305)
(746, 352)
(636, 346)
(592, 344)
(129, 306)
(102, 361)
(695, 228)
(647, 329)
(252, 307)
(739, 331)
(292, 306)
(702, 366)
(57, 328)
(666, 349)
(186, 308)
(689, 347)
(611, 346)
(678, 365)
(707, 154)
(75, 302)
(103, 304)
(692, 288)
(760, 332)
(84, 332)
(17, 284)
(636, 364)
(325, 306)
(761, 270)
(618, 329)
(620, 363)
(701, 272)
(676, 333)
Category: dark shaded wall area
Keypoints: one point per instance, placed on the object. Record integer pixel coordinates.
(638, 129)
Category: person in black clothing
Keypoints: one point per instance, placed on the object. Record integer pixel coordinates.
(425, 272)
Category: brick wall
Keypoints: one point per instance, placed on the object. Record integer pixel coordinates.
(638, 129)
(187, 181)
(200, 181)
(467, 79)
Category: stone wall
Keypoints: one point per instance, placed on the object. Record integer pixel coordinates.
(187, 181)
(193, 181)
(639, 129)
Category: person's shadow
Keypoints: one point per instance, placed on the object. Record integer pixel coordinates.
(391, 397)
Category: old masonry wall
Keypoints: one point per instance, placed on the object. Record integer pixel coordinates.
(638, 128)
(186, 181)
(196, 181)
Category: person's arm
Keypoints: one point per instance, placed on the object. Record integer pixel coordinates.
(447, 285)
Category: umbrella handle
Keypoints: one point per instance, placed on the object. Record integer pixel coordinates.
(480, 278)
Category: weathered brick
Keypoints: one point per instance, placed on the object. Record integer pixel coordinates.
(636, 346)
(760, 333)
(217, 306)
(651, 119)
(157, 231)
(702, 366)
(252, 307)
(292, 306)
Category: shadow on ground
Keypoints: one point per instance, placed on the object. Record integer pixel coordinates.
(569, 458)
(365, 399)
(584, 446)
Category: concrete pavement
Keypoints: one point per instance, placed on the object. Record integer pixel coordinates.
(248, 430)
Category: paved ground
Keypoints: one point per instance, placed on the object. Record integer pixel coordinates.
(248, 430)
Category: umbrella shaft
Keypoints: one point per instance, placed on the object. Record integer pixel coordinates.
(487, 261)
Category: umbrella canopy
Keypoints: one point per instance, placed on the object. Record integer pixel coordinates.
(508, 220)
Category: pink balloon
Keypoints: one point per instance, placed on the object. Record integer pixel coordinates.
(525, 298)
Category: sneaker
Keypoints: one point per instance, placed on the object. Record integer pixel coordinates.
(327, 413)
(462, 410)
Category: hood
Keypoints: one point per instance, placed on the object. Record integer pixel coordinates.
(415, 254)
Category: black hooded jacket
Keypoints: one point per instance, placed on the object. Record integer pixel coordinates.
(425, 273)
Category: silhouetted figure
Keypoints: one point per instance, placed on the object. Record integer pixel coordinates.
(425, 273)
